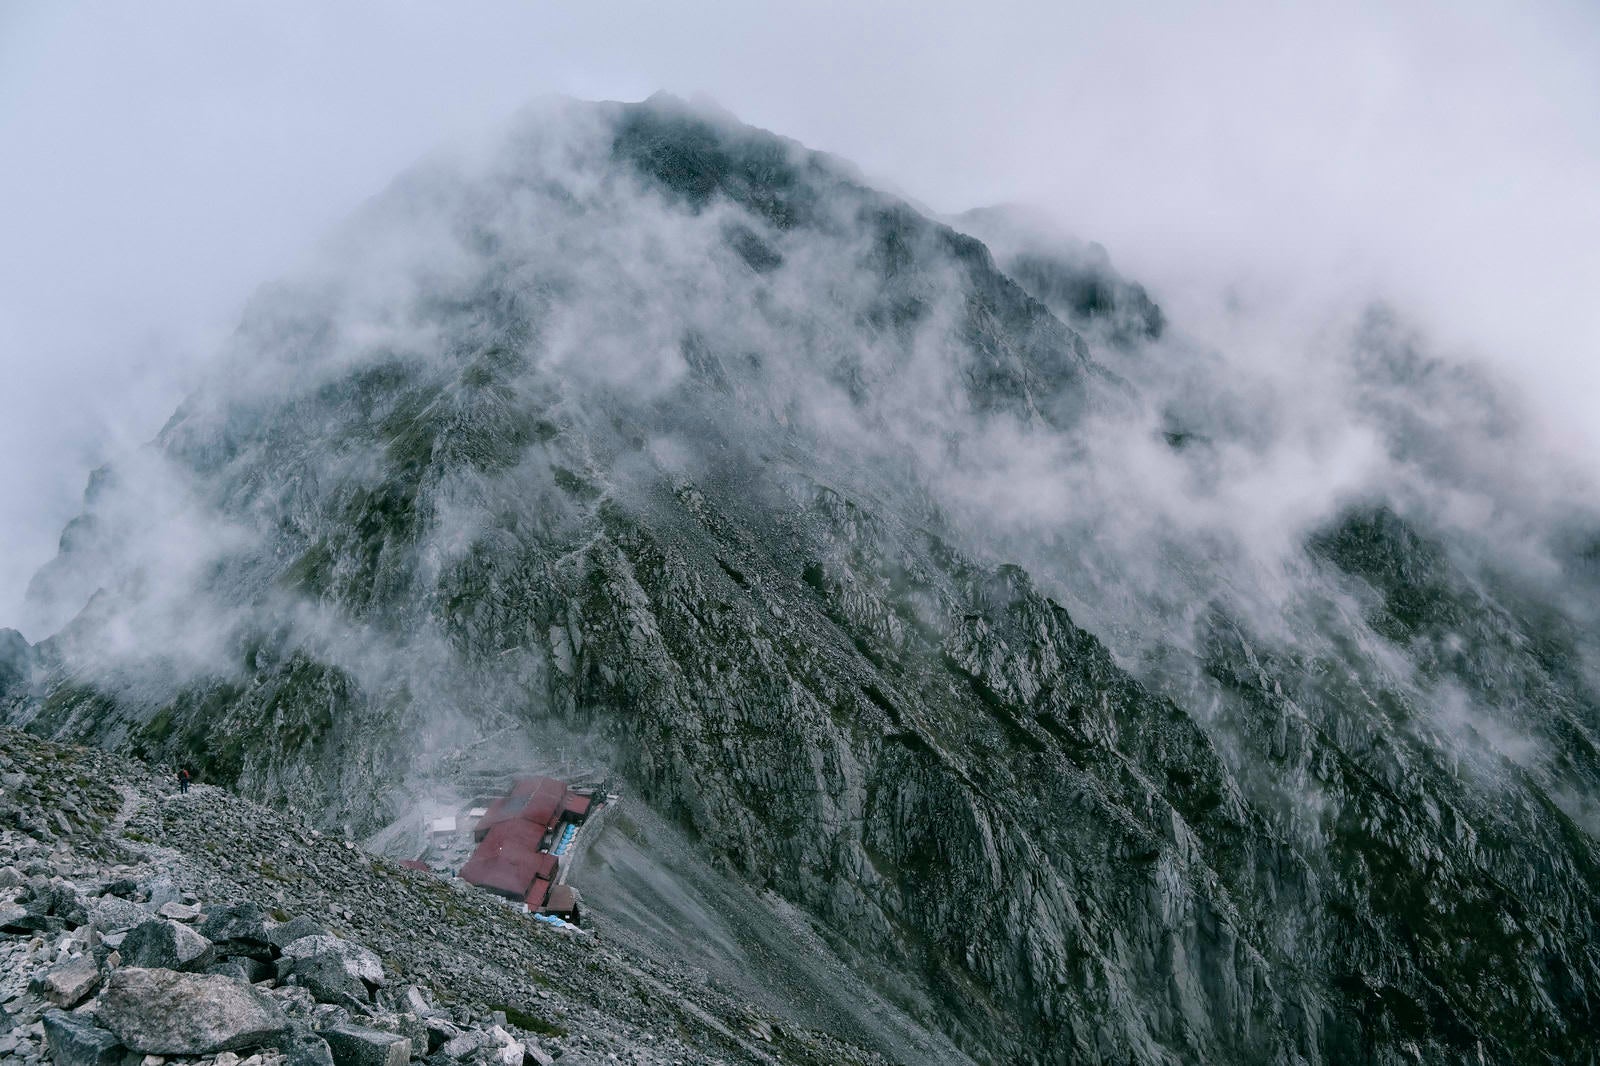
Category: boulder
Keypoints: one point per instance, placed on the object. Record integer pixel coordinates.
(122, 886)
(66, 984)
(303, 1046)
(31, 917)
(240, 929)
(73, 1041)
(440, 1032)
(287, 932)
(166, 945)
(459, 1047)
(334, 969)
(415, 1000)
(407, 1025)
(113, 914)
(326, 978)
(179, 912)
(242, 968)
(163, 1012)
(354, 1045)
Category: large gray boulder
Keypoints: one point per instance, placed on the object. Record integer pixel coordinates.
(333, 969)
(326, 978)
(73, 1041)
(112, 914)
(361, 962)
(354, 1045)
(303, 1046)
(164, 1012)
(66, 984)
(287, 932)
(240, 929)
(161, 943)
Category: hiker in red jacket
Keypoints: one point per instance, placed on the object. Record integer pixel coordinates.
(184, 777)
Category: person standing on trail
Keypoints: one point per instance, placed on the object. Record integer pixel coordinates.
(184, 777)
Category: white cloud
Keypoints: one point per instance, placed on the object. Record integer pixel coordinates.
(161, 163)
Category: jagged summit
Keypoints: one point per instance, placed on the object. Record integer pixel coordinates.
(921, 586)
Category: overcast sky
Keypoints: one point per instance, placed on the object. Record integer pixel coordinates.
(158, 161)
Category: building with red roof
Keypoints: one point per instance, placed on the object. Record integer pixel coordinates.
(510, 858)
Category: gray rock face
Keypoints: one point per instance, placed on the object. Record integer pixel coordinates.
(73, 1041)
(163, 1012)
(16, 663)
(163, 944)
(66, 984)
(353, 1045)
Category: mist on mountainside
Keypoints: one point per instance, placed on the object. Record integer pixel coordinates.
(1101, 691)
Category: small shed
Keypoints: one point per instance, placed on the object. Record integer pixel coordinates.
(563, 902)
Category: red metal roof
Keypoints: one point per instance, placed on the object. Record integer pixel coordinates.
(576, 805)
(536, 894)
(563, 899)
(508, 859)
(545, 801)
(501, 810)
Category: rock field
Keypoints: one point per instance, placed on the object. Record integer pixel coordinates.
(140, 926)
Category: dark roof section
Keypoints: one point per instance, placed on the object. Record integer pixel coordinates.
(563, 899)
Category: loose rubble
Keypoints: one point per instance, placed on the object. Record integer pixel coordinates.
(139, 927)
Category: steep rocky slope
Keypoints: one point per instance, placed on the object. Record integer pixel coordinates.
(256, 896)
(659, 436)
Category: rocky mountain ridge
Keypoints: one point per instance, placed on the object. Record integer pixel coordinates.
(659, 437)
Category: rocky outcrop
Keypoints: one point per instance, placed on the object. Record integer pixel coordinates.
(16, 664)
